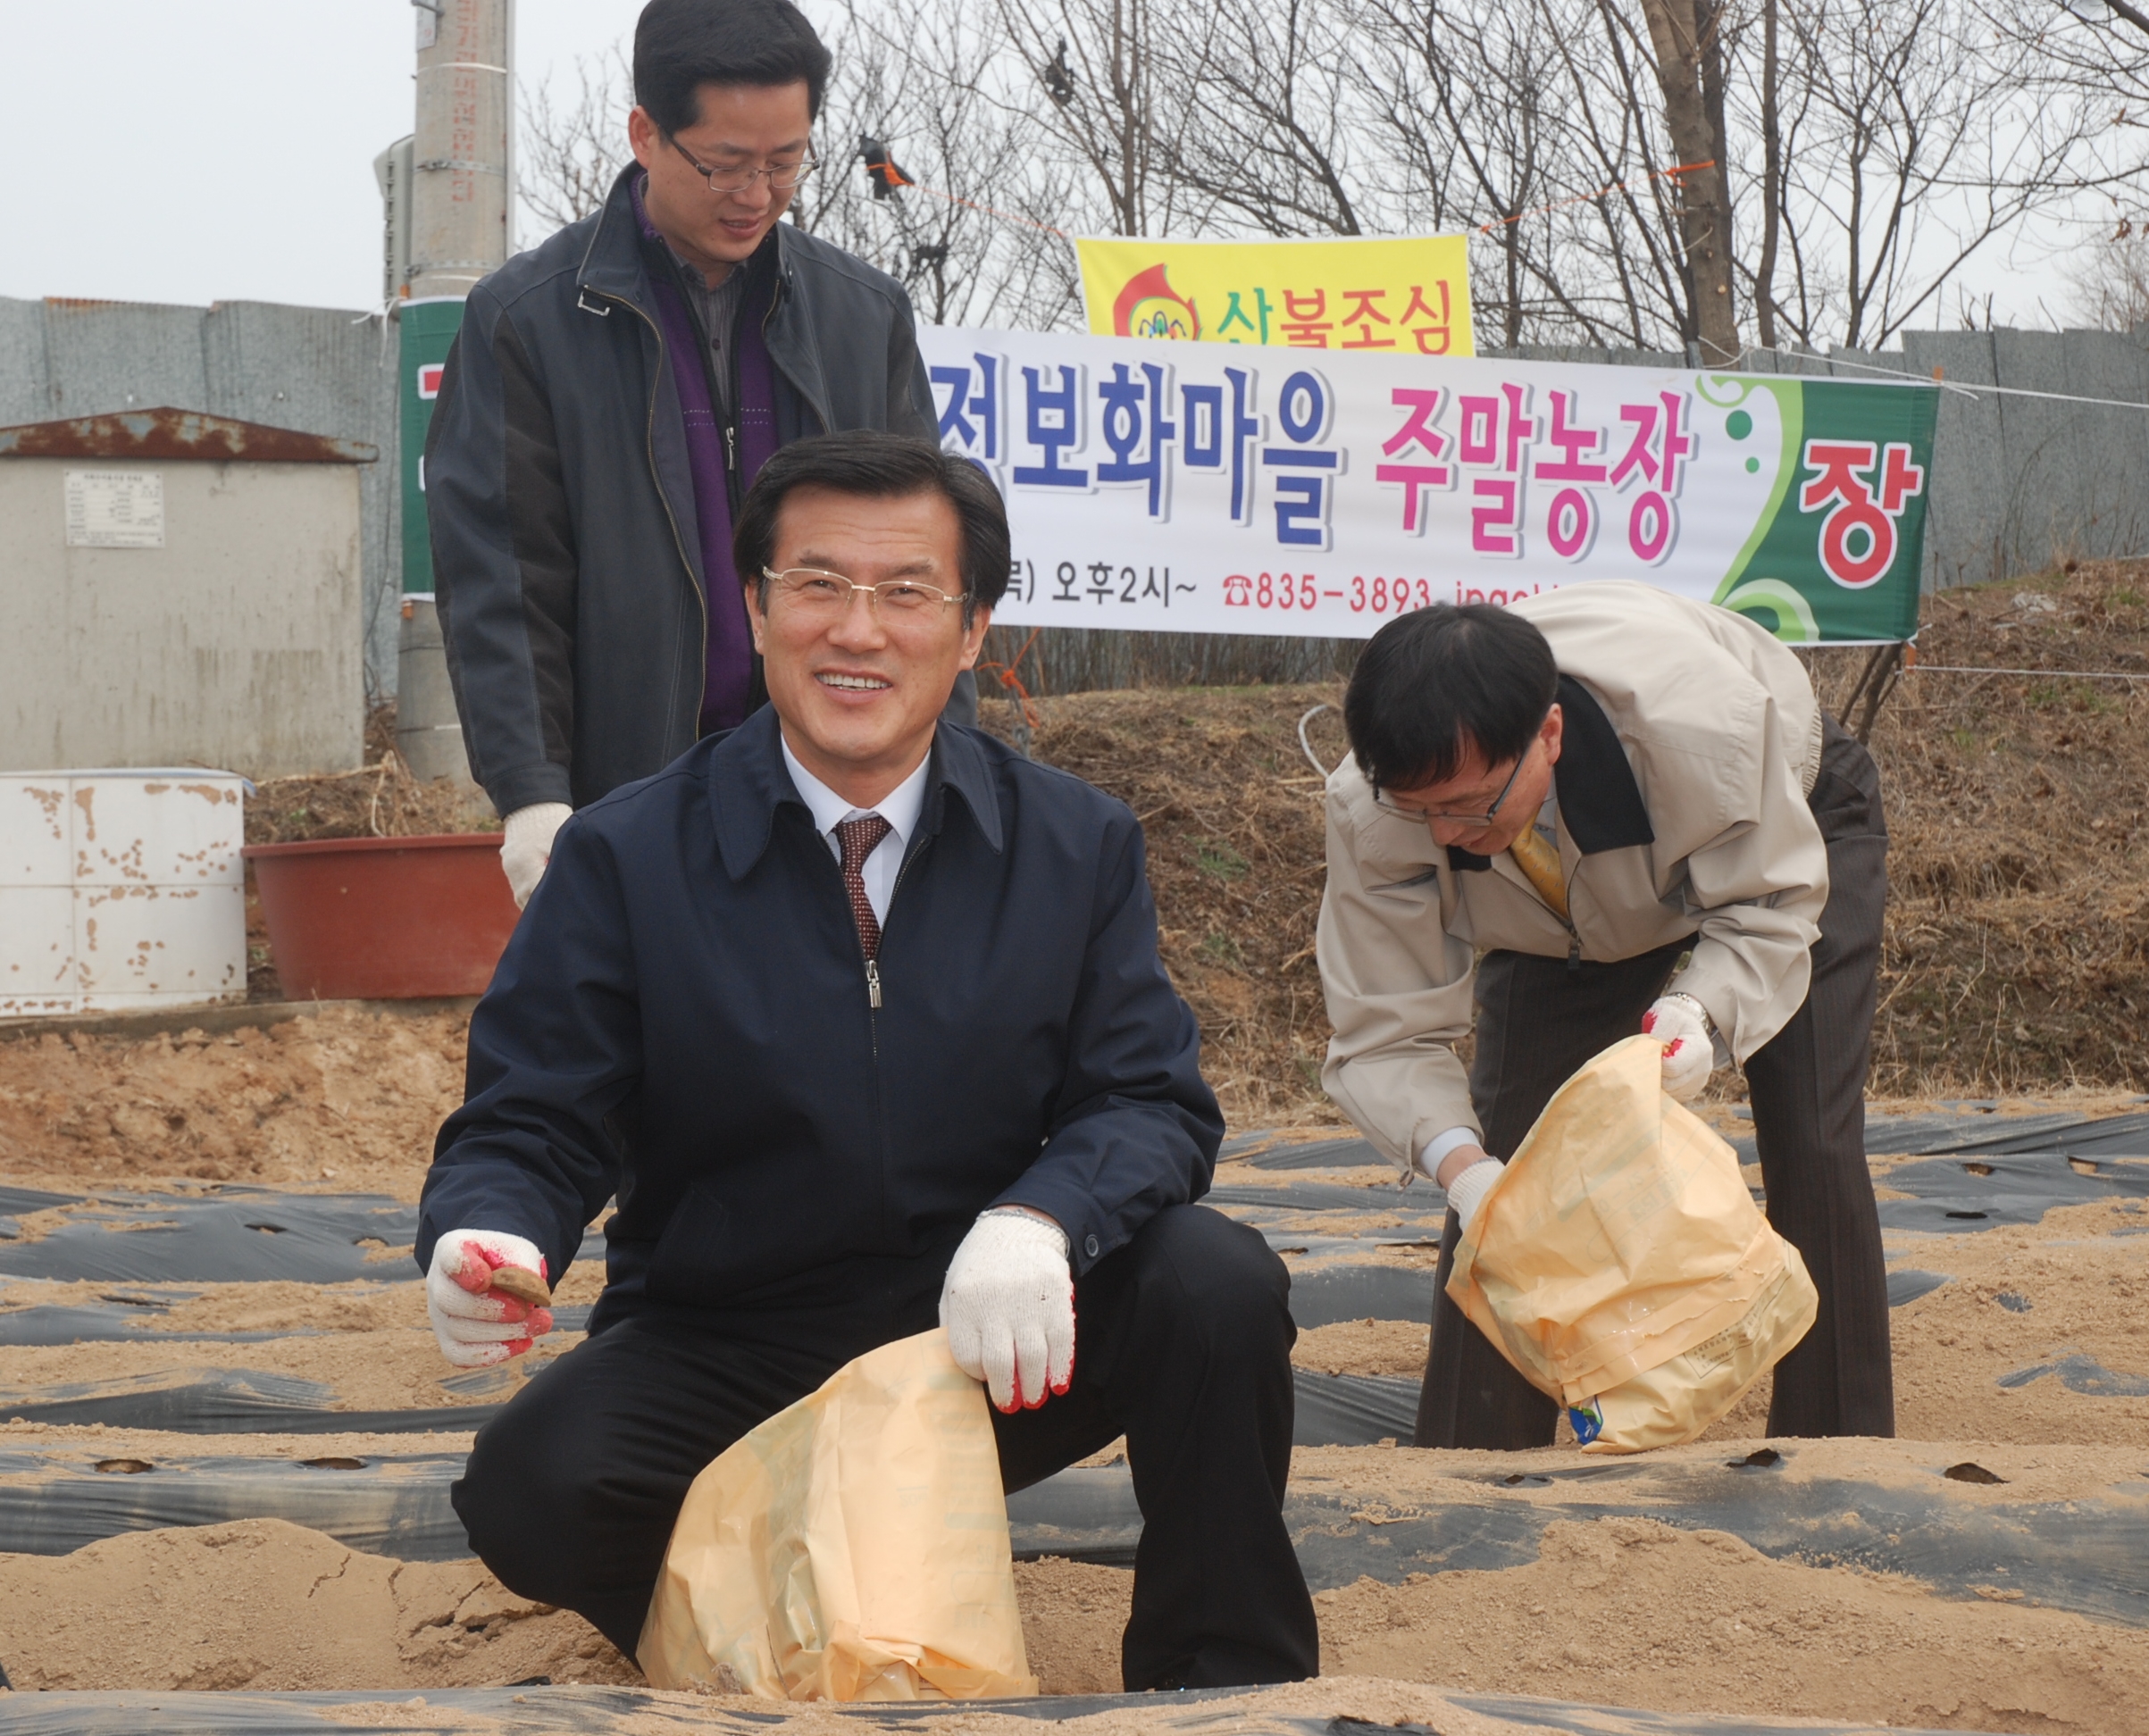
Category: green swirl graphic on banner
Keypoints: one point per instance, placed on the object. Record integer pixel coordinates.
(1834, 553)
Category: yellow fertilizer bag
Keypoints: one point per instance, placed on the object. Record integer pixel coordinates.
(852, 1547)
(1621, 1264)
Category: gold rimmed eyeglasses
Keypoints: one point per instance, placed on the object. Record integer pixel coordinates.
(813, 590)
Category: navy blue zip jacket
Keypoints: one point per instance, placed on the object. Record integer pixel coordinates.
(682, 1016)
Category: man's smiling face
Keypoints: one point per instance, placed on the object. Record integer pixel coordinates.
(859, 690)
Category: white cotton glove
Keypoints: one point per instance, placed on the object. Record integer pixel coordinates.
(527, 845)
(477, 1324)
(1467, 1190)
(1008, 1308)
(1689, 1050)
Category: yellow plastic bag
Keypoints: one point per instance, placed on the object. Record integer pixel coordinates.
(1621, 1264)
(852, 1547)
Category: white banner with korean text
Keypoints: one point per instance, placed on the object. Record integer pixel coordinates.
(1215, 489)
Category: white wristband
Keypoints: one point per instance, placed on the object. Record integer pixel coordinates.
(1440, 1145)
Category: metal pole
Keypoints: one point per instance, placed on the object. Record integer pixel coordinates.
(460, 203)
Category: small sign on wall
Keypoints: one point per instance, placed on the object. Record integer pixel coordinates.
(114, 509)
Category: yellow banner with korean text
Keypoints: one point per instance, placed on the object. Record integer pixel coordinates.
(1410, 295)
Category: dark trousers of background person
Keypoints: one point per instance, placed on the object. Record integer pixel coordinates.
(1537, 1022)
(1183, 1343)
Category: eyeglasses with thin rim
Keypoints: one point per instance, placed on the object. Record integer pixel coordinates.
(1472, 822)
(782, 176)
(812, 590)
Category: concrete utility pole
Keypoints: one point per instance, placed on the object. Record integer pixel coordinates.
(461, 194)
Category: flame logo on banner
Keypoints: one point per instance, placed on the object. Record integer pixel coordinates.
(1150, 307)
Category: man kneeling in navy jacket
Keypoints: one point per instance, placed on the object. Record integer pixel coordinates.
(861, 1015)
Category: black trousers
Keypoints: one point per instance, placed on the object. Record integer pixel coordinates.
(1183, 1343)
(1537, 1022)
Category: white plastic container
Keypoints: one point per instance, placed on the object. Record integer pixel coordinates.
(121, 890)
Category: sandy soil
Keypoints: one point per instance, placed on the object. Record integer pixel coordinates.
(346, 1101)
(265, 1605)
(2083, 1274)
(388, 1369)
(1621, 1611)
(1393, 1348)
(1630, 1612)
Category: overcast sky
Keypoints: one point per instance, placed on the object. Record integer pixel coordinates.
(207, 150)
(220, 150)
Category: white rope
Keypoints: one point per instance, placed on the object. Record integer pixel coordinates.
(1967, 389)
(2069, 674)
(1306, 747)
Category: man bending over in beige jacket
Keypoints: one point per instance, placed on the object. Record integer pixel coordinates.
(1635, 808)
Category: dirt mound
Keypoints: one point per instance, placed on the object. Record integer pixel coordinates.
(1622, 1611)
(1633, 1613)
(347, 1097)
(264, 1605)
(1073, 1612)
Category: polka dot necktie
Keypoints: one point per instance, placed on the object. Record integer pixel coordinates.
(859, 838)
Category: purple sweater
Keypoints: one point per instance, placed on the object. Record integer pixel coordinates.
(712, 451)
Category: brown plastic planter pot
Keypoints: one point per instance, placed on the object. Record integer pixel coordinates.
(384, 918)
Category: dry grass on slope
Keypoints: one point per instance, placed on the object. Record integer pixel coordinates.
(2018, 913)
(2019, 907)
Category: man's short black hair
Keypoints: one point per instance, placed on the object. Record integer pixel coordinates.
(682, 45)
(1437, 684)
(879, 466)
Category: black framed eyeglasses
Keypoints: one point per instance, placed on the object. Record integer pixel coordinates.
(782, 176)
(1475, 821)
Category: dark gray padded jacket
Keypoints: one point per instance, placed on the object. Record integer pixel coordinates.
(566, 564)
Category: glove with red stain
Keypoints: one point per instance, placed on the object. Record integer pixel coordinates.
(1007, 1308)
(486, 1294)
(1689, 1048)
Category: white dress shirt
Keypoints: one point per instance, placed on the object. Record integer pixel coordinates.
(900, 807)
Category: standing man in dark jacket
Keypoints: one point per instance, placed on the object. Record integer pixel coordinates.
(861, 1015)
(610, 398)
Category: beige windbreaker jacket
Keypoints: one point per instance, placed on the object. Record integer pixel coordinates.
(1691, 740)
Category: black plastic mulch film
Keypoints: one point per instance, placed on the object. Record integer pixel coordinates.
(149, 1246)
(2082, 1557)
